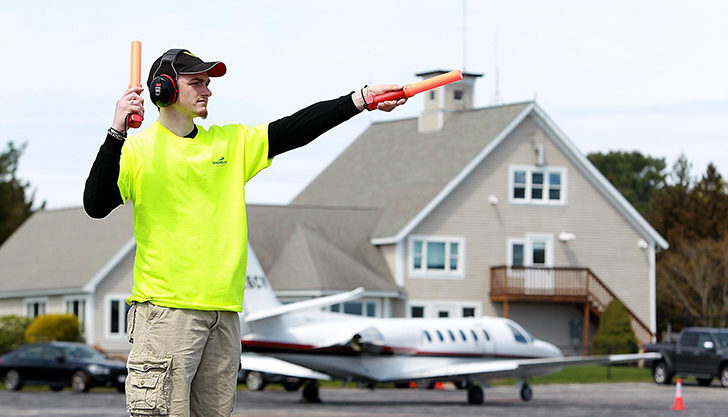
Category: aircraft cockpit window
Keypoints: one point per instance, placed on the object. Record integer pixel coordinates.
(462, 335)
(475, 335)
(442, 339)
(517, 334)
(452, 335)
(427, 335)
(487, 336)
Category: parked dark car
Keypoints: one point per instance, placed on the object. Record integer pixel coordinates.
(700, 352)
(61, 364)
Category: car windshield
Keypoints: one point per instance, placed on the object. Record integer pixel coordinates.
(722, 339)
(82, 352)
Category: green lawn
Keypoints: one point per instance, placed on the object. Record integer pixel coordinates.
(589, 374)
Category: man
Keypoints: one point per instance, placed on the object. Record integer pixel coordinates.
(186, 184)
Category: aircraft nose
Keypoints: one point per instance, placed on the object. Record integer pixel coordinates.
(548, 350)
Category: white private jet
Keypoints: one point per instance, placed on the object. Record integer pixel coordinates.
(300, 340)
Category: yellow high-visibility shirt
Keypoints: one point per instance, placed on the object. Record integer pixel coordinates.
(189, 213)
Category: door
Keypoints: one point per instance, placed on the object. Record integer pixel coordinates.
(54, 366)
(540, 256)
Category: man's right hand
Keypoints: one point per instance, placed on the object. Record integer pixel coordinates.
(131, 102)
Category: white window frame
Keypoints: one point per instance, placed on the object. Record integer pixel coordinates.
(41, 300)
(121, 335)
(530, 170)
(527, 243)
(71, 298)
(447, 273)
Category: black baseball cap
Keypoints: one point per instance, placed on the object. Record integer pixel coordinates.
(185, 63)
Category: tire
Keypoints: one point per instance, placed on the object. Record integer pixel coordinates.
(526, 392)
(704, 382)
(13, 381)
(311, 393)
(255, 381)
(661, 373)
(80, 382)
(724, 376)
(56, 388)
(475, 395)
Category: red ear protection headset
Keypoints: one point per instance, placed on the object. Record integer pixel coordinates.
(163, 89)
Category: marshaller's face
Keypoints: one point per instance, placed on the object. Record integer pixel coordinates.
(193, 95)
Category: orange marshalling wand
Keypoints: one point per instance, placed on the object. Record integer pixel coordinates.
(135, 120)
(411, 89)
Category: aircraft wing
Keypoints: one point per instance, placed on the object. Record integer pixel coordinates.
(302, 305)
(525, 367)
(255, 362)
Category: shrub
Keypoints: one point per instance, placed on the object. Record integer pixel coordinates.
(53, 327)
(12, 329)
(615, 334)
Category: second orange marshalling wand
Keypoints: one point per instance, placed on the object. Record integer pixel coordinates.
(410, 90)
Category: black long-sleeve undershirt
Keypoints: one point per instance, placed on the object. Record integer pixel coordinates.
(101, 193)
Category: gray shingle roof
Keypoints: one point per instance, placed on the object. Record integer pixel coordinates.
(399, 170)
(318, 248)
(61, 249)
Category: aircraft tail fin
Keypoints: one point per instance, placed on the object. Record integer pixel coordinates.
(259, 295)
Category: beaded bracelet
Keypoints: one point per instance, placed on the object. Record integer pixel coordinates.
(116, 134)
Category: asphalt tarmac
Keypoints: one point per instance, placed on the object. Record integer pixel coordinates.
(627, 399)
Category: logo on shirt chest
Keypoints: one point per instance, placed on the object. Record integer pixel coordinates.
(220, 161)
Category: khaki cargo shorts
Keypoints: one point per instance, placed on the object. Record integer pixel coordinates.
(182, 362)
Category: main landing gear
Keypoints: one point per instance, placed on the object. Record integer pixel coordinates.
(476, 395)
(311, 392)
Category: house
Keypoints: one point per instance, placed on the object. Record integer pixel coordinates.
(458, 212)
(61, 261)
(489, 211)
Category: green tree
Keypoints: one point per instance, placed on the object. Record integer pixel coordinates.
(636, 176)
(15, 204)
(615, 334)
(50, 327)
(12, 329)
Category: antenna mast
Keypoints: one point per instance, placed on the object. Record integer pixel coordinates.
(497, 98)
(465, 28)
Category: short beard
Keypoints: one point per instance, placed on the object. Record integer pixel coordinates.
(202, 113)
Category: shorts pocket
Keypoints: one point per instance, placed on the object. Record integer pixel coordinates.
(147, 385)
(131, 321)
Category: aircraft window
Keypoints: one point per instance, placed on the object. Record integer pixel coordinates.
(487, 336)
(427, 335)
(475, 335)
(442, 339)
(462, 334)
(516, 334)
(452, 335)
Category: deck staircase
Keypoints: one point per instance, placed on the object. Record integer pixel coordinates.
(559, 285)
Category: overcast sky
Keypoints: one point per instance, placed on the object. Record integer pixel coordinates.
(619, 75)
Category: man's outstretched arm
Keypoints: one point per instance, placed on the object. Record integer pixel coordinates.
(307, 124)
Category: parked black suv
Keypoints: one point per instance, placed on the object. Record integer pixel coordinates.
(61, 364)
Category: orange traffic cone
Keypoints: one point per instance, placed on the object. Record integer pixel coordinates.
(678, 404)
